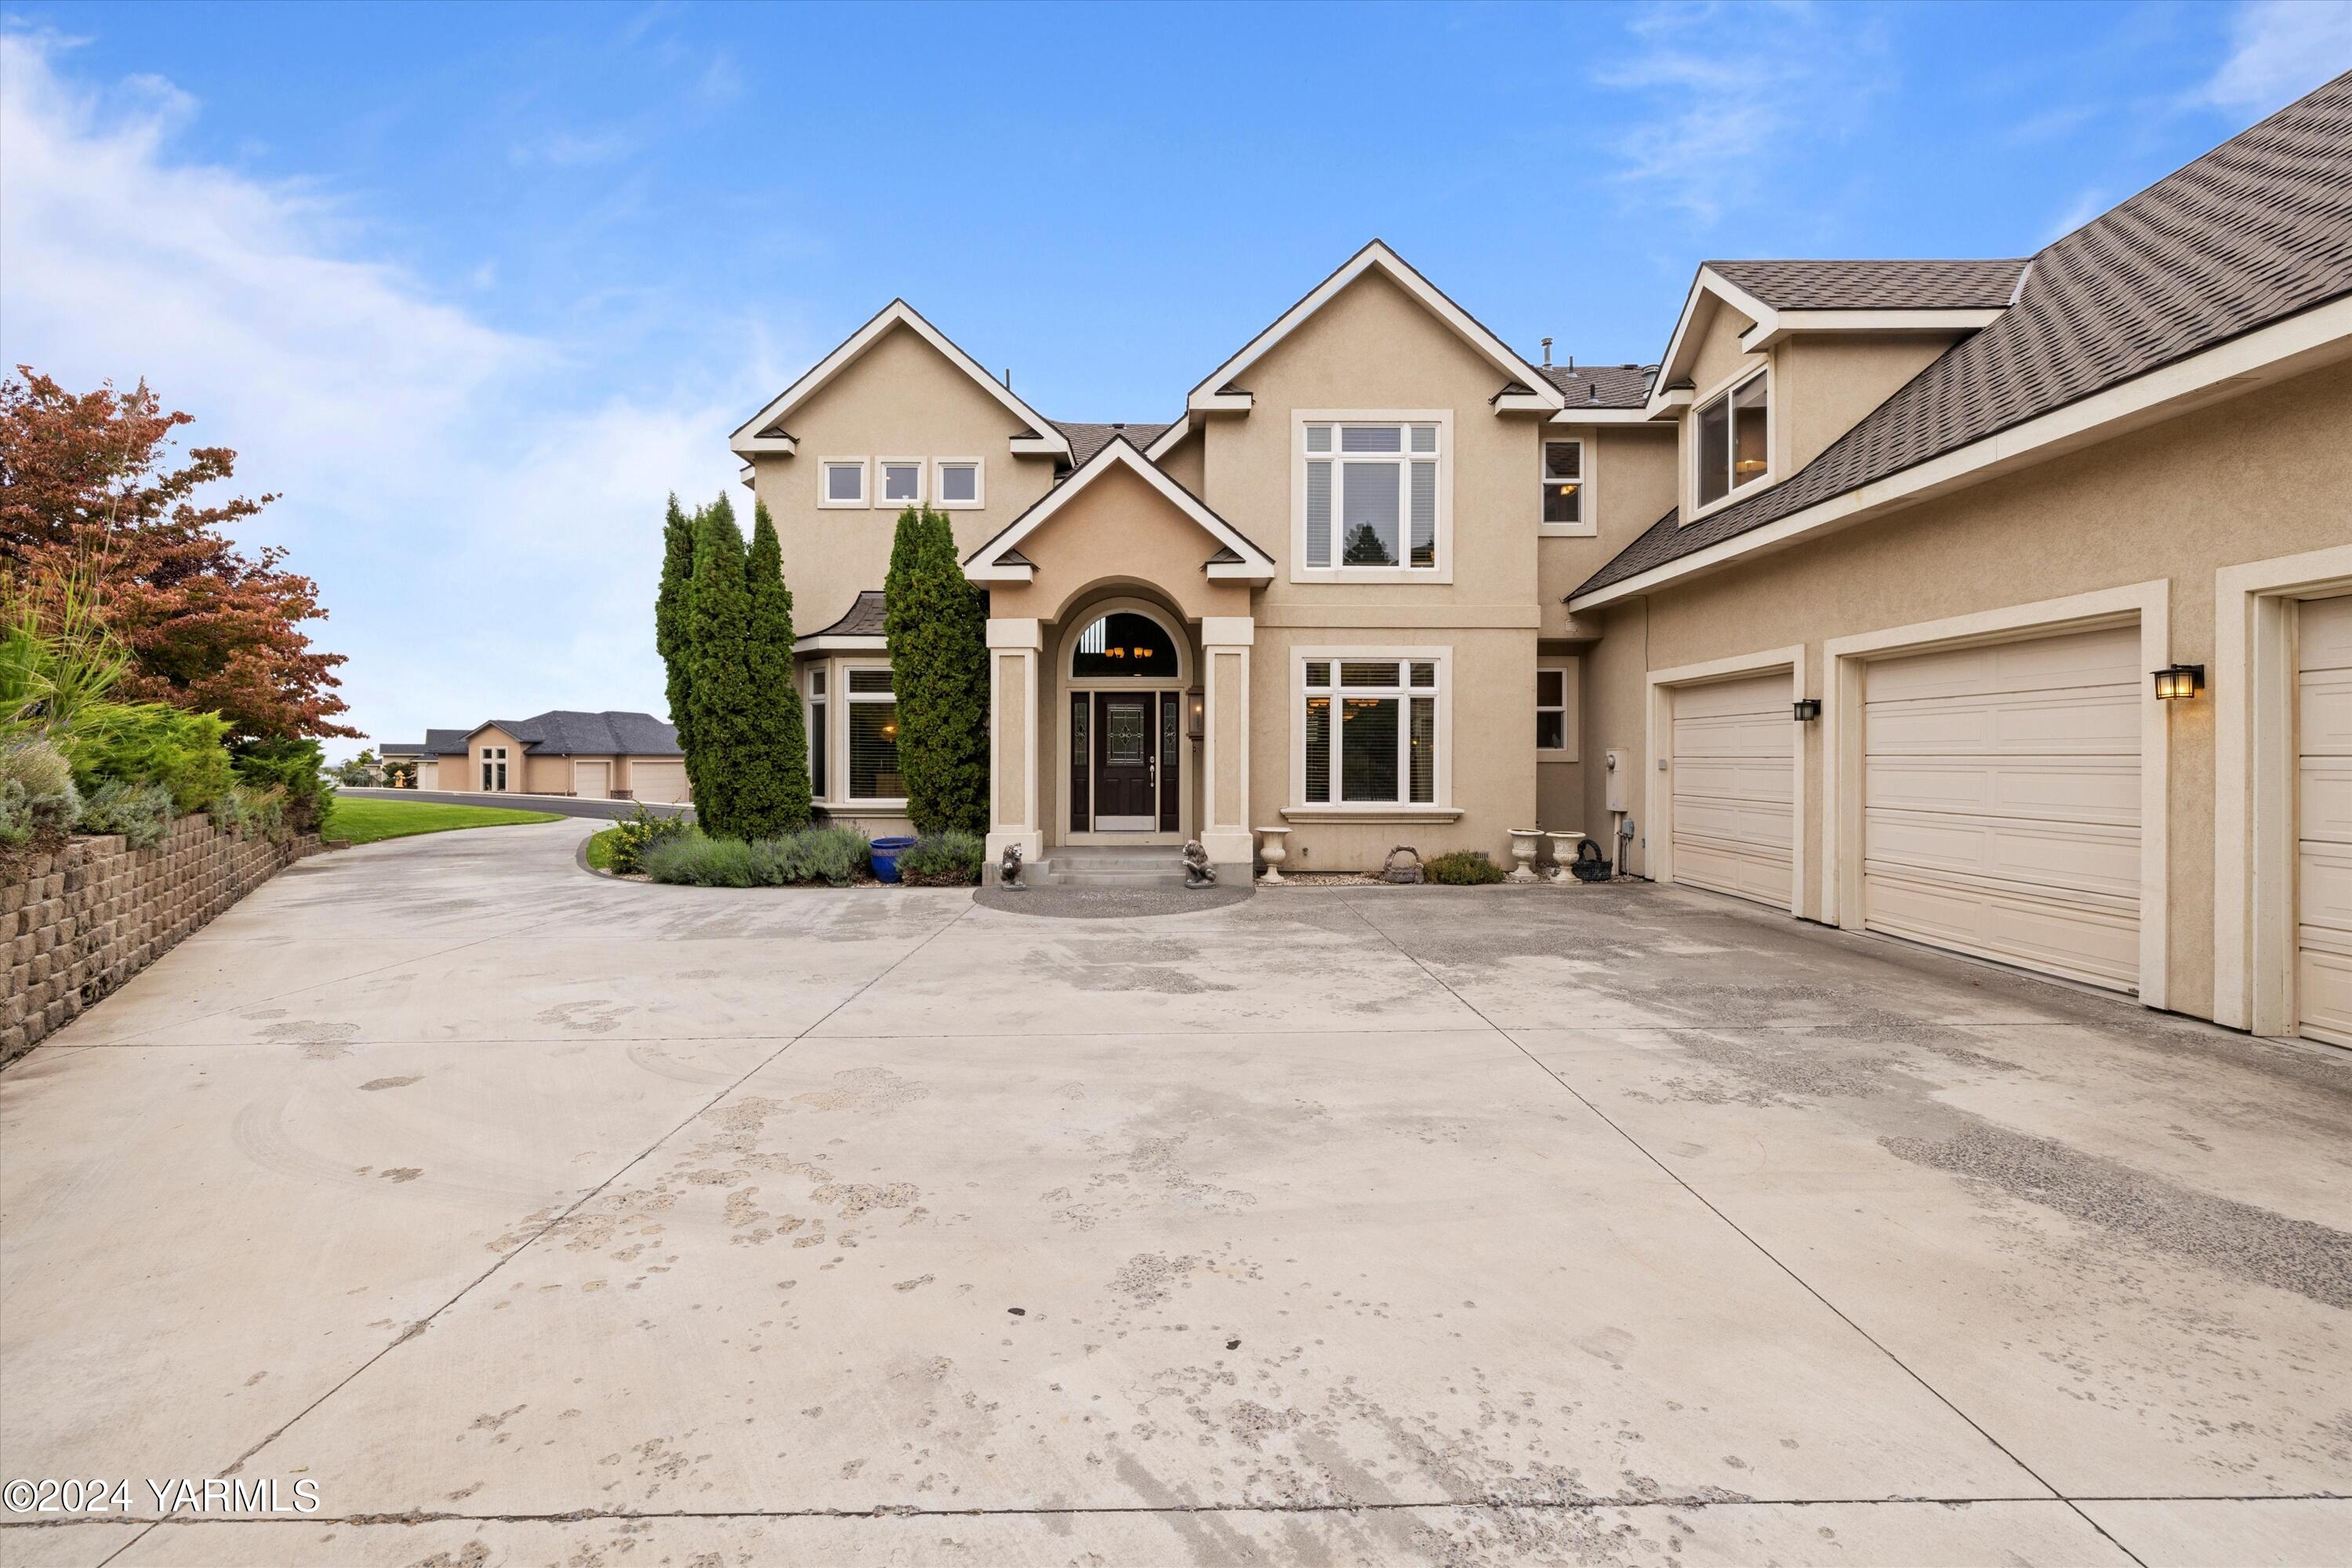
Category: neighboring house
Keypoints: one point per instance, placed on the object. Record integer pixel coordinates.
(1854, 604)
(602, 756)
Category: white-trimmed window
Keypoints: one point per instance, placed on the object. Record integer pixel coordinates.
(1556, 711)
(820, 734)
(1369, 731)
(1567, 503)
(1373, 494)
(899, 483)
(872, 708)
(960, 484)
(1731, 434)
(494, 768)
(841, 482)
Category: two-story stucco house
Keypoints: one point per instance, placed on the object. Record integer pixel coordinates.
(2004, 606)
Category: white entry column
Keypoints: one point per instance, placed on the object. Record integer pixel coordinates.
(1224, 744)
(1014, 649)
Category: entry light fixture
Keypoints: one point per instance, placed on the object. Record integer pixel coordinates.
(1808, 709)
(1196, 714)
(2180, 680)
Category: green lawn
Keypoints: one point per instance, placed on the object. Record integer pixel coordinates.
(599, 849)
(367, 821)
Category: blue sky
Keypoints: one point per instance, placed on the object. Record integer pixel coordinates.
(472, 287)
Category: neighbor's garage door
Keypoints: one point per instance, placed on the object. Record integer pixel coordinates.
(2000, 812)
(593, 781)
(658, 781)
(2323, 969)
(1733, 799)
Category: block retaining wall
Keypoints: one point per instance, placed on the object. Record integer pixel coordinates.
(76, 924)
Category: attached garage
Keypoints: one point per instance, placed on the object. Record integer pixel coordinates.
(2323, 969)
(659, 782)
(1732, 817)
(593, 781)
(2001, 802)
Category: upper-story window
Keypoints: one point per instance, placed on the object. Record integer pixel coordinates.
(1732, 446)
(958, 484)
(1567, 507)
(841, 482)
(1373, 490)
(901, 480)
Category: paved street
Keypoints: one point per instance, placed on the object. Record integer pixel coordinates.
(537, 1218)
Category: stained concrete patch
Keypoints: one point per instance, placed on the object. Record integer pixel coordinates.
(2310, 1259)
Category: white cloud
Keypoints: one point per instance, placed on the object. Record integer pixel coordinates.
(2087, 205)
(1728, 90)
(483, 519)
(2278, 51)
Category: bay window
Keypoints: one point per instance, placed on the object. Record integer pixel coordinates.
(1730, 434)
(1370, 493)
(819, 732)
(1369, 731)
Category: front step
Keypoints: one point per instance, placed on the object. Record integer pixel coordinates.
(1108, 866)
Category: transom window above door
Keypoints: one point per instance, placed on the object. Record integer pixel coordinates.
(1372, 495)
(1124, 644)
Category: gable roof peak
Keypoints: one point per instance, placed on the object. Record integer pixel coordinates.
(1216, 393)
(1000, 560)
(764, 432)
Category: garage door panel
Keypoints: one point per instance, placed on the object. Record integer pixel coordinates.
(2059, 937)
(2326, 705)
(2326, 787)
(2323, 994)
(661, 783)
(2096, 865)
(2080, 720)
(2325, 630)
(2001, 802)
(1734, 787)
(2090, 790)
(2109, 657)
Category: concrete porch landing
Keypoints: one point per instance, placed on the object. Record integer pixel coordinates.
(538, 1218)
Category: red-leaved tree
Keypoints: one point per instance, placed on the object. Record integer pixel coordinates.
(89, 494)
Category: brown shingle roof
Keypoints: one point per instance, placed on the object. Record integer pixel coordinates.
(1875, 285)
(2254, 231)
(1086, 440)
(1617, 386)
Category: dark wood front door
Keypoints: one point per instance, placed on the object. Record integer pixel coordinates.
(1126, 781)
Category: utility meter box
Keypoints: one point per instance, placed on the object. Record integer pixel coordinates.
(1618, 766)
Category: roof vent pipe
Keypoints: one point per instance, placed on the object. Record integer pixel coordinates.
(1547, 344)
(1008, 378)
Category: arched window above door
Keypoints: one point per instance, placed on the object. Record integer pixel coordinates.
(1124, 643)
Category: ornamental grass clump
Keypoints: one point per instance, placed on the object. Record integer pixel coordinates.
(1461, 868)
(38, 799)
(950, 860)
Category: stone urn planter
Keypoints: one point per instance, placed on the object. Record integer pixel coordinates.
(1272, 850)
(1563, 853)
(1523, 850)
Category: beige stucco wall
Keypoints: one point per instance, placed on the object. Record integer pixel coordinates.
(1823, 385)
(1181, 463)
(902, 398)
(518, 762)
(1633, 487)
(2257, 477)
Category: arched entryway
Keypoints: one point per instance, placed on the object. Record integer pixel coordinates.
(1124, 762)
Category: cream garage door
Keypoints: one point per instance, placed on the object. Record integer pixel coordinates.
(593, 781)
(2000, 810)
(2323, 969)
(1733, 787)
(659, 782)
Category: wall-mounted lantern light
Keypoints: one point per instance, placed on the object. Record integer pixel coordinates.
(1808, 709)
(2180, 680)
(1196, 714)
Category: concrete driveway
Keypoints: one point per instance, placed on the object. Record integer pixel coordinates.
(530, 1217)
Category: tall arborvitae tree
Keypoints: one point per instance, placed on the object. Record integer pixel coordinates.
(774, 779)
(937, 624)
(670, 628)
(718, 694)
